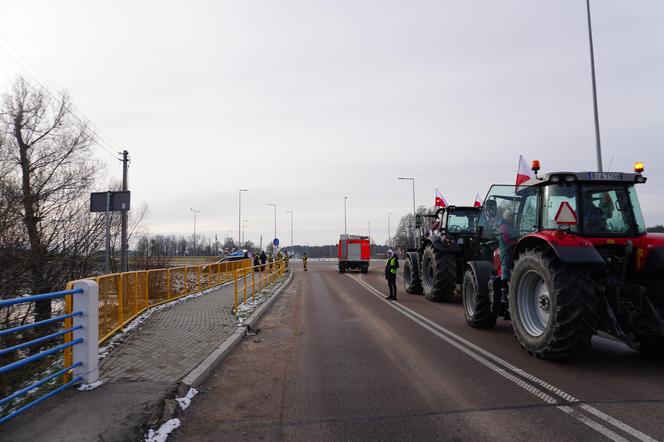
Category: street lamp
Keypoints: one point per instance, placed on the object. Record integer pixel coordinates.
(291, 230)
(389, 234)
(195, 212)
(239, 217)
(414, 214)
(275, 218)
(244, 222)
(345, 227)
(598, 144)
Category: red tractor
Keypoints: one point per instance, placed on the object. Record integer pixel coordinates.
(571, 257)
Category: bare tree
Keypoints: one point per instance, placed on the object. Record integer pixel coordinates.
(48, 170)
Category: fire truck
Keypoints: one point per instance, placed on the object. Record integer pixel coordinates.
(354, 253)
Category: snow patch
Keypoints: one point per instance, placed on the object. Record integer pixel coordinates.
(162, 433)
(88, 387)
(245, 310)
(184, 402)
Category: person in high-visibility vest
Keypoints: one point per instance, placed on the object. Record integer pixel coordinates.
(391, 267)
(304, 261)
(286, 258)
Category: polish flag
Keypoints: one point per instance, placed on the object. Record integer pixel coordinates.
(440, 201)
(478, 202)
(524, 173)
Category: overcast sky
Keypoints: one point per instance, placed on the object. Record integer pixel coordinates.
(304, 102)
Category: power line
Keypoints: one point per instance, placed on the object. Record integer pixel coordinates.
(84, 123)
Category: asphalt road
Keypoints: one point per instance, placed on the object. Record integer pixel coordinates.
(335, 361)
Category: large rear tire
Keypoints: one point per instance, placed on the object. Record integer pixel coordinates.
(553, 305)
(411, 278)
(476, 302)
(438, 273)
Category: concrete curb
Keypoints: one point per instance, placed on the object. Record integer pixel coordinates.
(199, 374)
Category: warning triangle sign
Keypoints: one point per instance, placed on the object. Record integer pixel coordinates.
(566, 214)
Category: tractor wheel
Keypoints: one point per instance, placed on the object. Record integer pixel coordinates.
(438, 272)
(553, 305)
(476, 302)
(411, 278)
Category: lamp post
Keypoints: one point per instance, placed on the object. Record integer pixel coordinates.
(345, 226)
(195, 212)
(598, 143)
(244, 222)
(291, 230)
(389, 233)
(239, 217)
(275, 218)
(414, 213)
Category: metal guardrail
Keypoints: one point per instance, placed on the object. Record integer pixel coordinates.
(79, 324)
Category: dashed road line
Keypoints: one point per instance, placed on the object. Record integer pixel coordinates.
(568, 404)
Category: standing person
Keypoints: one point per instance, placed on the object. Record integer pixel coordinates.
(304, 261)
(391, 267)
(506, 240)
(263, 260)
(286, 259)
(257, 262)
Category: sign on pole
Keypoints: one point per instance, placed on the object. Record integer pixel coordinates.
(275, 242)
(119, 201)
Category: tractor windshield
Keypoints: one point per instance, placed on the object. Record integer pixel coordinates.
(593, 209)
(460, 221)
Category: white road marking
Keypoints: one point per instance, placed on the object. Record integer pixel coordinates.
(508, 371)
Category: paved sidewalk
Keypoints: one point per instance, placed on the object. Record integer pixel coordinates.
(138, 375)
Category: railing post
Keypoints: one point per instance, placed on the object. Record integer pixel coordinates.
(244, 279)
(235, 291)
(120, 300)
(253, 282)
(88, 351)
(186, 282)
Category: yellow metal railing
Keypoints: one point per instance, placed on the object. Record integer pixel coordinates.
(124, 296)
(249, 281)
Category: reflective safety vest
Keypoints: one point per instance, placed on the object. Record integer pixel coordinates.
(393, 264)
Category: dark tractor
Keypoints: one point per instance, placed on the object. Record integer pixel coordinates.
(580, 261)
(447, 240)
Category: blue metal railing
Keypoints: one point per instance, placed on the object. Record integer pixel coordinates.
(43, 354)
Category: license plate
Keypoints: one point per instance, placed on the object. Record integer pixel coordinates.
(460, 241)
(606, 176)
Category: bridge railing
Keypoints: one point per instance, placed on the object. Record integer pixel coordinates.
(124, 296)
(251, 280)
(80, 324)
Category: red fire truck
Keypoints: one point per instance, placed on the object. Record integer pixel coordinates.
(354, 253)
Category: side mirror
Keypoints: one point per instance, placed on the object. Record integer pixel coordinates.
(418, 221)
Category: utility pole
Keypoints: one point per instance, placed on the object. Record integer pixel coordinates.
(124, 247)
(195, 212)
(598, 143)
(239, 218)
(389, 234)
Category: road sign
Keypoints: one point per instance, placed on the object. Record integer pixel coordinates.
(565, 215)
(275, 242)
(119, 201)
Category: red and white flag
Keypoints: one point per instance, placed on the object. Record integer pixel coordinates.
(524, 173)
(478, 202)
(440, 201)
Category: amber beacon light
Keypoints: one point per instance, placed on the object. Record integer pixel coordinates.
(639, 167)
